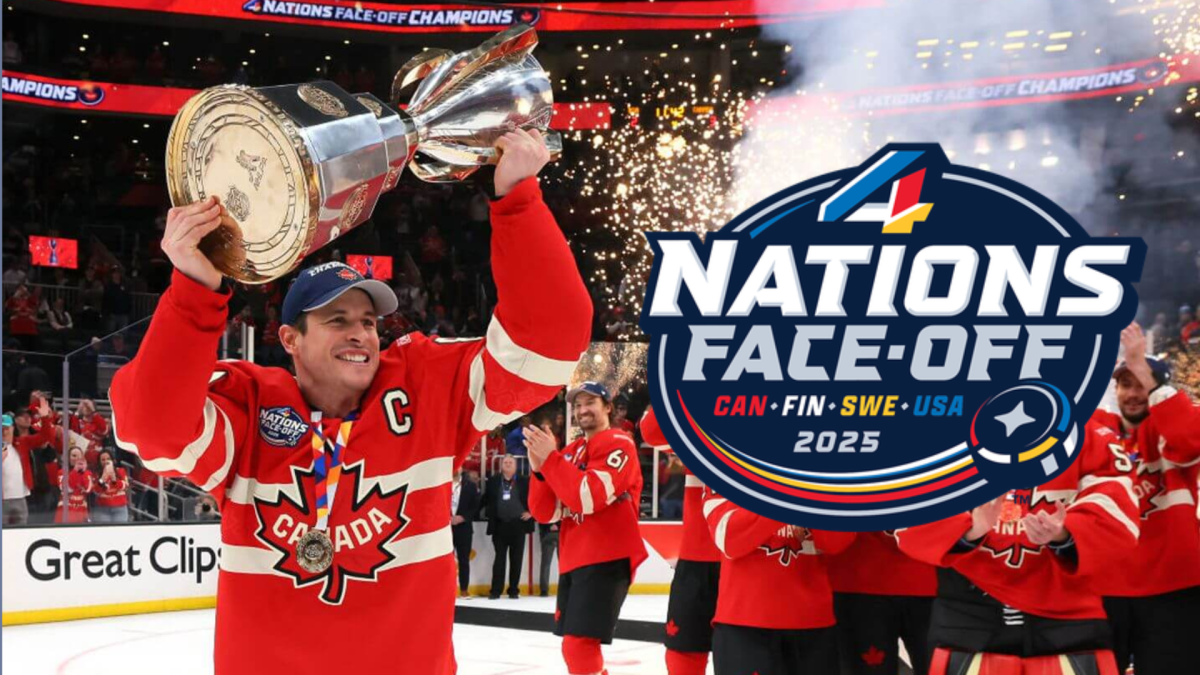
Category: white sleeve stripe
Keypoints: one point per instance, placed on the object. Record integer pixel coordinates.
(218, 476)
(711, 505)
(586, 507)
(484, 418)
(1161, 394)
(692, 481)
(1124, 481)
(719, 534)
(186, 460)
(610, 494)
(1110, 507)
(524, 363)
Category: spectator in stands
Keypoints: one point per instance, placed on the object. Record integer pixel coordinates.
(670, 484)
(16, 479)
(117, 348)
(206, 508)
(514, 442)
(548, 538)
(112, 503)
(12, 50)
(273, 354)
(620, 418)
(34, 442)
(1158, 336)
(1189, 327)
(88, 422)
(506, 502)
(31, 377)
(433, 248)
(118, 303)
(464, 507)
(76, 485)
(60, 320)
(22, 317)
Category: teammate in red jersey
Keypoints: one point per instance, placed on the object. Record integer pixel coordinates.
(1153, 597)
(593, 487)
(1017, 588)
(393, 426)
(775, 606)
(693, 600)
(881, 596)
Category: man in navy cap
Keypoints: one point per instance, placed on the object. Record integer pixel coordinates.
(333, 485)
(593, 488)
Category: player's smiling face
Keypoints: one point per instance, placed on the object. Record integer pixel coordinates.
(1132, 397)
(591, 412)
(339, 348)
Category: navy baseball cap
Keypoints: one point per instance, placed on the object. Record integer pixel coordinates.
(594, 388)
(320, 285)
(1158, 367)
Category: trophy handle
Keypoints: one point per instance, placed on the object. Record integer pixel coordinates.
(458, 154)
(516, 41)
(416, 69)
(433, 170)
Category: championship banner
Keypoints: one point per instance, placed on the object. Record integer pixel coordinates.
(1113, 80)
(97, 96)
(77, 572)
(445, 18)
(166, 101)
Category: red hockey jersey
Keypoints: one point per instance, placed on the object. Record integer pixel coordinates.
(113, 492)
(81, 484)
(1102, 520)
(774, 575)
(861, 569)
(594, 486)
(1165, 449)
(697, 544)
(243, 433)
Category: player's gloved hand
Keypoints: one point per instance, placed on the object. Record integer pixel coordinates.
(1134, 342)
(984, 517)
(186, 226)
(538, 445)
(522, 154)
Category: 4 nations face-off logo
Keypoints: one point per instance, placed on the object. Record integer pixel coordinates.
(886, 345)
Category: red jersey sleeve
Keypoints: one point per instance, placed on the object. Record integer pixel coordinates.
(612, 470)
(173, 405)
(1178, 421)
(1104, 516)
(736, 531)
(540, 328)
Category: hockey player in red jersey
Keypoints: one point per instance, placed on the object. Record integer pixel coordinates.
(334, 483)
(593, 487)
(1017, 588)
(881, 596)
(1153, 601)
(693, 600)
(775, 606)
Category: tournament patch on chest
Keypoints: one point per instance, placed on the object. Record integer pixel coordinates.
(281, 427)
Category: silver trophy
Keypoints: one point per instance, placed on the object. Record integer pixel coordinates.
(297, 166)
